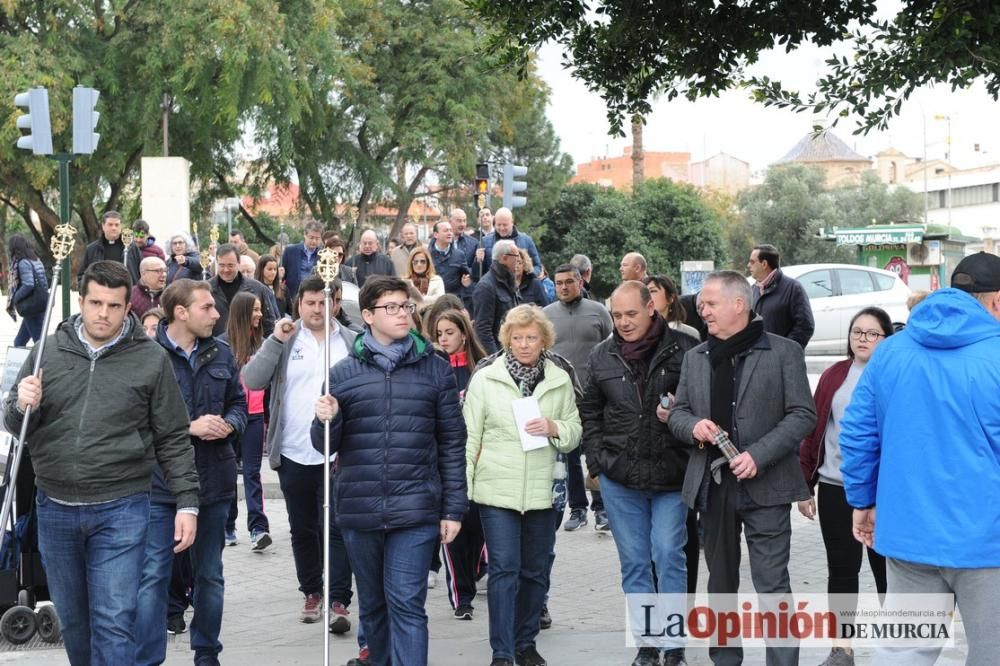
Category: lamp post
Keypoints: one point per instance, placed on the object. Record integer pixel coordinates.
(947, 157)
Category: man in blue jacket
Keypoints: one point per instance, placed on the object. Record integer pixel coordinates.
(921, 444)
(400, 488)
(504, 229)
(210, 383)
(299, 259)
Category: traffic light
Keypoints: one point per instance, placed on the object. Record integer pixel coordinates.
(36, 121)
(482, 193)
(85, 120)
(511, 187)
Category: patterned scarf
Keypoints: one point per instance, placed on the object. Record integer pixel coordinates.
(526, 377)
(13, 282)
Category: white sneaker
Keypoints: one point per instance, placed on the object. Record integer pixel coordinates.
(432, 580)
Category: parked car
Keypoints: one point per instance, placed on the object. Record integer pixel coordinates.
(836, 293)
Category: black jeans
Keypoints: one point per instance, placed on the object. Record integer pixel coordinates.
(575, 485)
(302, 486)
(843, 551)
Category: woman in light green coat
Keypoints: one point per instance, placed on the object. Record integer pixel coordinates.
(513, 486)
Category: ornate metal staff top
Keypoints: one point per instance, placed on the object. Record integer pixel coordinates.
(327, 265)
(62, 241)
(128, 236)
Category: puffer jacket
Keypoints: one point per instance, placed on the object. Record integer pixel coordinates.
(500, 473)
(212, 386)
(622, 436)
(400, 440)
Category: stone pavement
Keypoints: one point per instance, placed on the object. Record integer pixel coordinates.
(262, 603)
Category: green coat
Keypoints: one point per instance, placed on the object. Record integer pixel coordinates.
(500, 472)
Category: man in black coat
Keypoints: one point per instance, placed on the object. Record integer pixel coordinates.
(369, 261)
(495, 294)
(228, 282)
(640, 463)
(108, 247)
(780, 300)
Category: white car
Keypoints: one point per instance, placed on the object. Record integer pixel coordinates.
(838, 291)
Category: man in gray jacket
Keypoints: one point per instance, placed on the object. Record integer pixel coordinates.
(94, 435)
(753, 386)
(581, 325)
(290, 362)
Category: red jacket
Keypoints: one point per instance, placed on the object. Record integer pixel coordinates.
(813, 447)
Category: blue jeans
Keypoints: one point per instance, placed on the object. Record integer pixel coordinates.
(31, 329)
(251, 450)
(520, 547)
(649, 528)
(391, 570)
(93, 558)
(151, 617)
(209, 585)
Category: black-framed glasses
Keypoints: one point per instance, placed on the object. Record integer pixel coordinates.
(394, 308)
(867, 336)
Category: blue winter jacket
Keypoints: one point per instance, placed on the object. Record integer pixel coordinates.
(400, 437)
(921, 437)
(523, 242)
(212, 386)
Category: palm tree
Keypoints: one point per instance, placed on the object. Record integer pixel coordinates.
(638, 157)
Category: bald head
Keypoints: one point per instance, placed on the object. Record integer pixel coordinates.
(153, 273)
(369, 243)
(503, 222)
(458, 221)
(632, 267)
(632, 310)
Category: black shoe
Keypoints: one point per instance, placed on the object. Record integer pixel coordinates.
(529, 657)
(463, 613)
(647, 657)
(544, 620)
(577, 519)
(176, 625)
(601, 521)
(674, 658)
(206, 660)
(501, 662)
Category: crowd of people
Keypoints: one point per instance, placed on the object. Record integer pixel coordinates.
(473, 403)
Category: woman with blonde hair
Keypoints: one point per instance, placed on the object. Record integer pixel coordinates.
(529, 286)
(421, 274)
(510, 476)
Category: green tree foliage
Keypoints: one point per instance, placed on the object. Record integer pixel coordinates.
(216, 59)
(665, 221)
(792, 208)
(631, 51)
(406, 110)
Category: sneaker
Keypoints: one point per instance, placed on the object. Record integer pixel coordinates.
(432, 580)
(529, 657)
(176, 624)
(577, 519)
(259, 540)
(601, 521)
(545, 620)
(339, 623)
(363, 658)
(647, 656)
(839, 657)
(674, 658)
(311, 610)
(463, 613)
(231, 539)
(501, 662)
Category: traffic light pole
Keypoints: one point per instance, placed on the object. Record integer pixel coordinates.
(64, 214)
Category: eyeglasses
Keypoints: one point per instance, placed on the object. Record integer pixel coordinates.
(394, 308)
(867, 336)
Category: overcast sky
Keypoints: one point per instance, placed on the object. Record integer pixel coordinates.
(759, 135)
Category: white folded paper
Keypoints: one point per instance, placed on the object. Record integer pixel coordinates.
(526, 409)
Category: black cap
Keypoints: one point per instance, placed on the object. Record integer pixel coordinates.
(977, 273)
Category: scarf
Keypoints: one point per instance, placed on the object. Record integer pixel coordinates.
(388, 356)
(722, 357)
(13, 282)
(768, 280)
(527, 377)
(643, 348)
(421, 282)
